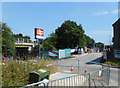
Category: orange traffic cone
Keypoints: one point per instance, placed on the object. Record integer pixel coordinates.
(71, 67)
(85, 69)
(4, 60)
(101, 72)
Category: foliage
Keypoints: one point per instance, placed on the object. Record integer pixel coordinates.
(89, 41)
(21, 36)
(8, 42)
(16, 73)
(70, 35)
(48, 44)
(45, 45)
(36, 48)
(99, 44)
(113, 62)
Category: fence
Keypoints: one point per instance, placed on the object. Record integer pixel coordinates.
(35, 85)
(95, 78)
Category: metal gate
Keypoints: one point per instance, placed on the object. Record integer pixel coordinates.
(96, 78)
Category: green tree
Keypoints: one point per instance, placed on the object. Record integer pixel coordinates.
(99, 44)
(70, 35)
(48, 44)
(89, 41)
(8, 42)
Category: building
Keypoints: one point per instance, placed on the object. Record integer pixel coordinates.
(116, 32)
(116, 38)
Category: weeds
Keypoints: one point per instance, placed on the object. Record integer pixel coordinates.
(113, 62)
(16, 72)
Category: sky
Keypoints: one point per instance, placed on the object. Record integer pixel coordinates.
(96, 18)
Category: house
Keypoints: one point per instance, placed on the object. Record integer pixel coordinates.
(116, 38)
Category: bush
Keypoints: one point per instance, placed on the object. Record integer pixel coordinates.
(16, 73)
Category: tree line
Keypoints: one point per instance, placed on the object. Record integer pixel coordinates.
(68, 35)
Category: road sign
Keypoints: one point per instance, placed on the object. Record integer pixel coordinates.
(117, 53)
(39, 33)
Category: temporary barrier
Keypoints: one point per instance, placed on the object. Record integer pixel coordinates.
(75, 80)
(67, 52)
(85, 79)
(57, 54)
(54, 53)
(61, 53)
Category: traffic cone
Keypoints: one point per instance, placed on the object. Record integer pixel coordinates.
(101, 72)
(85, 69)
(71, 67)
(4, 60)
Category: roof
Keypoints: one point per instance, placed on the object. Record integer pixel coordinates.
(118, 21)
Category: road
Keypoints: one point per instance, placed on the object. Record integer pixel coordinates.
(88, 61)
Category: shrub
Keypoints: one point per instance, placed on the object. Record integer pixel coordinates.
(16, 73)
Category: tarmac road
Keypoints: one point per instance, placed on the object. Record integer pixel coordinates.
(89, 61)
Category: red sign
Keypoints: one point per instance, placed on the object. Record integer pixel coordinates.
(39, 33)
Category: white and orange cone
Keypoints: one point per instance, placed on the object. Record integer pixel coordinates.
(4, 60)
(85, 69)
(100, 72)
(71, 67)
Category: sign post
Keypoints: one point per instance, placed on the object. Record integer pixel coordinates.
(39, 49)
(39, 34)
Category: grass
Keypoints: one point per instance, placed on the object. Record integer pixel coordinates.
(113, 62)
(16, 73)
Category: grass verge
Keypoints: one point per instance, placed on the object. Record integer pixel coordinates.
(113, 62)
(16, 73)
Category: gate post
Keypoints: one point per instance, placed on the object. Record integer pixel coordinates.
(89, 80)
(78, 66)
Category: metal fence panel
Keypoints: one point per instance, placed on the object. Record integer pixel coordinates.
(95, 78)
(77, 80)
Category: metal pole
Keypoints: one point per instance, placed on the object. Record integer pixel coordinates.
(78, 66)
(39, 49)
(57, 64)
(89, 80)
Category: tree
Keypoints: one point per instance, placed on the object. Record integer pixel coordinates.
(45, 45)
(99, 44)
(21, 36)
(48, 44)
(70, 35)
(89, 41)
(8, 42)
